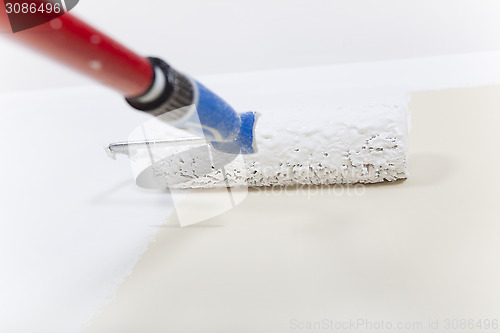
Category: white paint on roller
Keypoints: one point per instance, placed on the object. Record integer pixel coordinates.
(325, 145)
(311, 143)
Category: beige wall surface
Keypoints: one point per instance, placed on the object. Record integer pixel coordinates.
(416, 255)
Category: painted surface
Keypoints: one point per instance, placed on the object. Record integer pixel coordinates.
(74, 224)
(415, 253)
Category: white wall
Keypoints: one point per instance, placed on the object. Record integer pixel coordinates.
(216, 36)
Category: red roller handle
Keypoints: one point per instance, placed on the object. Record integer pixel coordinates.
(71, 41)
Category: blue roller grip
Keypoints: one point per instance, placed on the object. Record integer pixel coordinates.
(227, 130)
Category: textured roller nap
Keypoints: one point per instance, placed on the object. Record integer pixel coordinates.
(323, 145)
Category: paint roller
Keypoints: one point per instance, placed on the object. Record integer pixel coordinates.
(364, 142)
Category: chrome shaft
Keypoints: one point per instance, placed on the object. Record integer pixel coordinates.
(126, 147)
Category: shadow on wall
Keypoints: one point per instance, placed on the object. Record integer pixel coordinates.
(429, 169)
